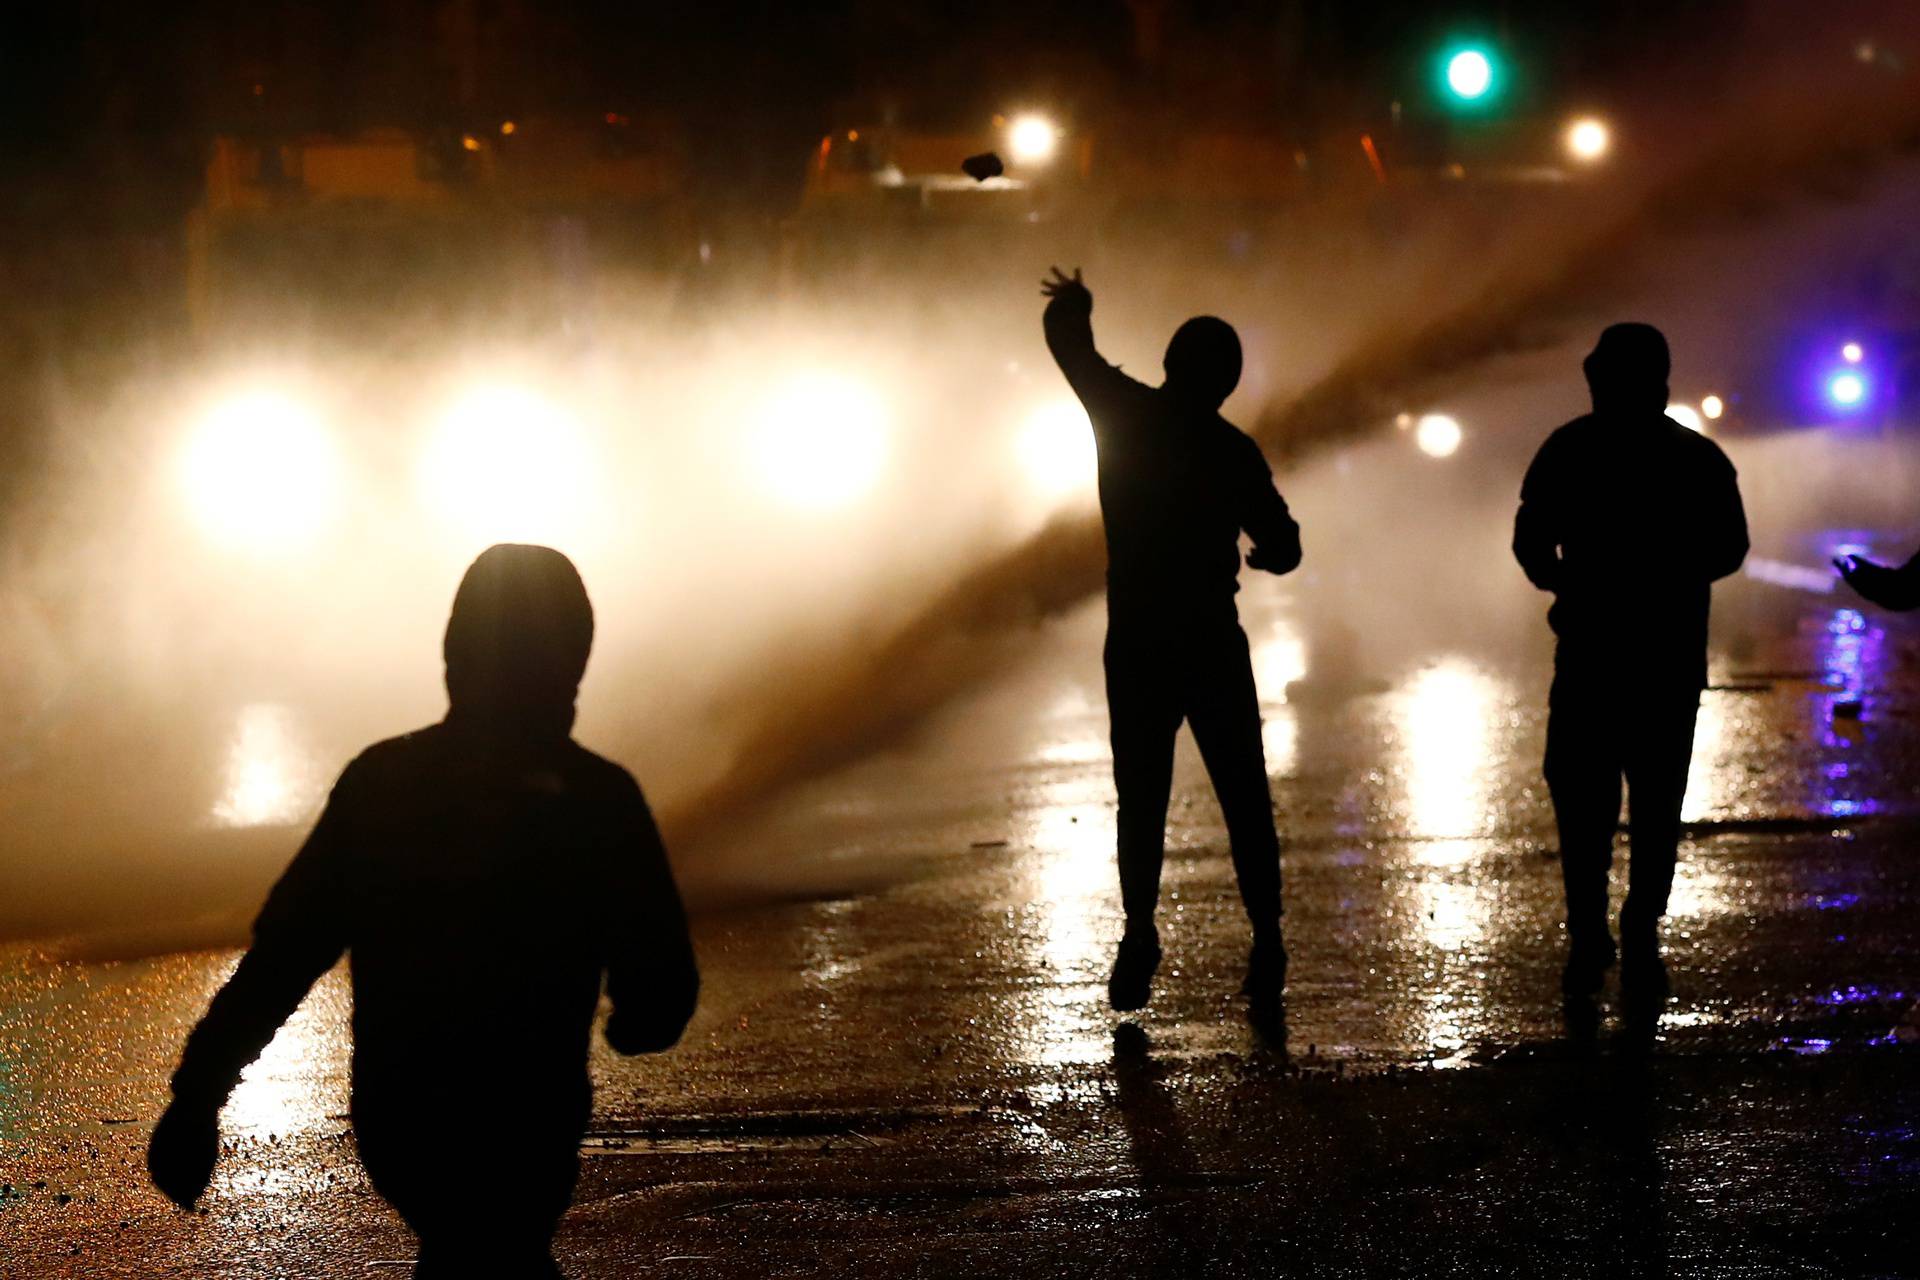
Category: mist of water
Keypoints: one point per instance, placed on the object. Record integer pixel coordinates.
(771, 601)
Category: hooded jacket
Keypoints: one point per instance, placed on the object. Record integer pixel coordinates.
(483, 875)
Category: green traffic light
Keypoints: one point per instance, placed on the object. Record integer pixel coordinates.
(1469, 74)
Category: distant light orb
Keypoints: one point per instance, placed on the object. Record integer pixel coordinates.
(1846, 389)
(1852, 353)
(1438, 435)
(1687, 416)
(506, 464)
(821, 440)
(1056, 450)
(1469, 74)
(1032, 139)
(1589, 139)
(1712, 407)
(260, 472)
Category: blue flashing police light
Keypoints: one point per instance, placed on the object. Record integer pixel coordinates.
(1846, 389)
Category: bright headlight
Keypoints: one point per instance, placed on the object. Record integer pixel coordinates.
(820, 439)
(1687, 416)
(1438, 435)
(505, 464)
(1056, 449)
(1032, 139)
(260, 471)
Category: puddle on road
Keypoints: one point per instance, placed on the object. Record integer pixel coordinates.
(716, 1144)
(809, 1131)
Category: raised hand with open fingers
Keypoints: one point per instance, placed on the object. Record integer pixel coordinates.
(1067, 289)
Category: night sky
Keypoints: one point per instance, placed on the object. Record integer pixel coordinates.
(111, 104)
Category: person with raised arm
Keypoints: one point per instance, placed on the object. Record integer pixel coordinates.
(1179, 485)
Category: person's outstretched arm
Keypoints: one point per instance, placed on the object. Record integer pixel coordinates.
(1275, 533)
(652, 977)
(1890, 588)
(1536, 528)
(298, 936)
(1724, 519)
(1068, 322)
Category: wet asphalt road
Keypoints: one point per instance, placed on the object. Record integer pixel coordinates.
(904, 1066)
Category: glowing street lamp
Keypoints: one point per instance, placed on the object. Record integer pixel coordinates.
(1032, 139)
(1589, 140)
(1438, 435)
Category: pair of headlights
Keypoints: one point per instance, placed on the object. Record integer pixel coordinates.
(263, 469)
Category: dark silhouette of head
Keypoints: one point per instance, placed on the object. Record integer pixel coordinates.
(1627, 371)
(517, 641)
(1203, 361)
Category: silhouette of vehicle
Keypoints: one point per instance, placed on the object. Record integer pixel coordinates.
(349, 230)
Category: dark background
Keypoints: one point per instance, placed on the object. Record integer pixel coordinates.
(109, 105)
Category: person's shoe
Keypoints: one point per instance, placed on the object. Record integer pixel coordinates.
(1266, 972)
(1265, 990)
(1581, 1017)
(1133, 969)
(1644, 986)
(1589, 957)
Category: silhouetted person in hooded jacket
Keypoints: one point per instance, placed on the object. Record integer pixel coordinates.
(1178, 486)
(482, 874)
(1627, 517)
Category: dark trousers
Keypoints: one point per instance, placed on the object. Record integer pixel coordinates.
(1203, 677)
(1601, 728)
(484, 1195)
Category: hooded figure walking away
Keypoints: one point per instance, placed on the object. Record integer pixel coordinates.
(1178, 485)
(483, 874)
(1628, 518)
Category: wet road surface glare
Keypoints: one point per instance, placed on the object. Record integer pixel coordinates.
(907, 1066)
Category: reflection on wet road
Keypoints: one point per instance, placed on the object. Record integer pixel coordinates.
(273, 777)
(1423, 898)
(951, 916)
(1445, 716)
(1071, 839)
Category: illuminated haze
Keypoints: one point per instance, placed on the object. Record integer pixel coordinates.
(806, 520)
